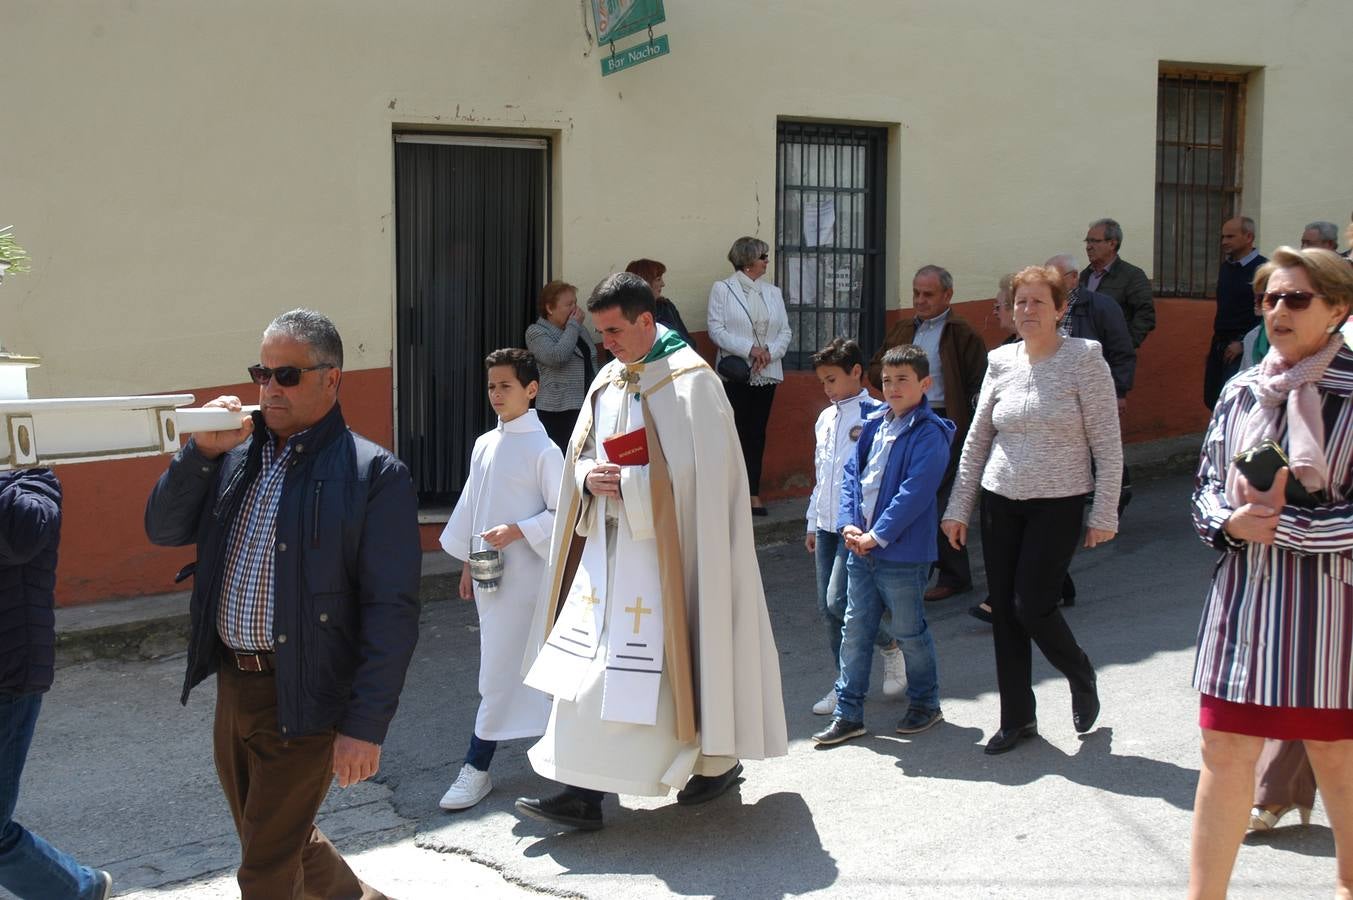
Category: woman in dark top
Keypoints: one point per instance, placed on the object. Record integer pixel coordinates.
(651, 270)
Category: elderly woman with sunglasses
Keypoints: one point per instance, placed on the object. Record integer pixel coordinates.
(1275, 659)
(748, 323)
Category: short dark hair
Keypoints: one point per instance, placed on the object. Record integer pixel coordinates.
(842, 352)
(523, 363)
(625, 290)
(908, 355)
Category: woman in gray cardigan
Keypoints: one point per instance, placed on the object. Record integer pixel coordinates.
(566, 355)
(1044, 435)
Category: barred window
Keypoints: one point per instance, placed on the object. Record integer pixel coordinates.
(1198, 153)
(830, 218)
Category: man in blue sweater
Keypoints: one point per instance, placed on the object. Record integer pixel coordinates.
(1235, 305)
(30, 529)
(887, 517)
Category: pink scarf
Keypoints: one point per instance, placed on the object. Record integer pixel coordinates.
(1280, 383)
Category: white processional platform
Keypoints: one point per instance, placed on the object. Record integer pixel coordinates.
(84, 429)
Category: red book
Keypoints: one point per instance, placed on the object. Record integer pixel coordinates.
(628, 449)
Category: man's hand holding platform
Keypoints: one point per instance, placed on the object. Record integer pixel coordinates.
(212, 444)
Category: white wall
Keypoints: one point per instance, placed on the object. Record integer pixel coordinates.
(182, 170)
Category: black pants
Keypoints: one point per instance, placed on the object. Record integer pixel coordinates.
(1027, 545)
(1217, 370)
(751, 412)
(955, 571)
(559, 426)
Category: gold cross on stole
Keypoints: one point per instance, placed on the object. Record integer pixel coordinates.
(639, 611)
(627, 379)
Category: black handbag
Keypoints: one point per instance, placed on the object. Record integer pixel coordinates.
(1260, 465)
(735, 369)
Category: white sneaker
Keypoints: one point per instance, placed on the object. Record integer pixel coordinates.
(471, 786)
(827, 705)
(894, 672)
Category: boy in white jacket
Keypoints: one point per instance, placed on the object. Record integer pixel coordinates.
(507, 505)
(840, 368)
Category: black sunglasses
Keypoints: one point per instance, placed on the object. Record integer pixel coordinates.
(765, 257)
(287, 376)
(1295, 300)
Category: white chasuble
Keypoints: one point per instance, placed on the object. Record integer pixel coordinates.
(688, 509)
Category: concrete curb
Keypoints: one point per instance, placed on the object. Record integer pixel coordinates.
(157, 626)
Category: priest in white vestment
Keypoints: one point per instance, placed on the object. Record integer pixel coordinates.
(651, 628)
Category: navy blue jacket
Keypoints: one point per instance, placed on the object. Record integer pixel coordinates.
(346, 571)
(1097, 317)
(905, 515)
(30, 529)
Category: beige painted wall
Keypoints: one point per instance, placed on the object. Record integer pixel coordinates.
(182, 170)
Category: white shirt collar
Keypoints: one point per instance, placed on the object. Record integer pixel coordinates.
(1246, 259)
(524, 423)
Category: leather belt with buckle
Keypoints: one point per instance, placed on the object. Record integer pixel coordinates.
(252, 662)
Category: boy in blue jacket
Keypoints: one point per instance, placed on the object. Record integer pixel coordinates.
(887, 517)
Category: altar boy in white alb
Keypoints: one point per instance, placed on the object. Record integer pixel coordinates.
(507, 505)
(652, 625)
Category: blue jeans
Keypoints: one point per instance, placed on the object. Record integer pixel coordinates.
(480, 753)
(831, 593)
(31, 868)
(876, 585)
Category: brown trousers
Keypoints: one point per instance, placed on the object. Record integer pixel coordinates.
(1283, 776)
(275, 788)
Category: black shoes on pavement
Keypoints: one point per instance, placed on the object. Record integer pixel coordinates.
(919, 718)
(1085, 708)
(1006, 739)
(563, 809)
(838, 732)
(704, 788)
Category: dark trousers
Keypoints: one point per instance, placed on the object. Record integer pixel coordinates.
(1217, 371)
(953, 566)
(751, 413)
(1027, 545)
(480, 754)
(559, 426)
(274, 788)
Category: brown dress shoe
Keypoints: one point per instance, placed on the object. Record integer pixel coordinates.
(943, 592)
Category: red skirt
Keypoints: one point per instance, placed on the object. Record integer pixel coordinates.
(1284, 723)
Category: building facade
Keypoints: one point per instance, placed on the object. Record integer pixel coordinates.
(181, 172)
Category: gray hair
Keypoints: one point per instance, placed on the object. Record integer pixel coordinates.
(1246, 225)
(314, 329)
(1112, 231)
(1328, 231)
(940, 272)
(1064, 262)
(745, 251)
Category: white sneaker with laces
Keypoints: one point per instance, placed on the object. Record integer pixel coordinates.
(471, 786)
(894, 672)
(827, 705)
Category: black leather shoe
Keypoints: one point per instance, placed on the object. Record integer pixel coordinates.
(1005, 740)
(704, 788)
(563, 809)
(1085, 708)
(837, 732)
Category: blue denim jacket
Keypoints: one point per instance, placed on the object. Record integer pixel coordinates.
(906, 515)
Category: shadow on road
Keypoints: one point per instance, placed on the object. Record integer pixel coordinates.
(700, 851)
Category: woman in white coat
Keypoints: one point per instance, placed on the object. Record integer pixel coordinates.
(747, 322)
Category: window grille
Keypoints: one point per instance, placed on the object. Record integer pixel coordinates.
(1198, 153)
(830, 219)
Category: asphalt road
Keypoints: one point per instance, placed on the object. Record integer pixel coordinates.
(121, 775)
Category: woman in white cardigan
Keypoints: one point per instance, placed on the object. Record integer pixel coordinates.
(747, 320)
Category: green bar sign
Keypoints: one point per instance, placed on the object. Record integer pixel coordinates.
(639, 53)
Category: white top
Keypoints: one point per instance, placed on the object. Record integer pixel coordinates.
(732, 328)
(836, 436)
(1038, 426)
(927, 337)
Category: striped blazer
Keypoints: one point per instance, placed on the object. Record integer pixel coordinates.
(1277, 626)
